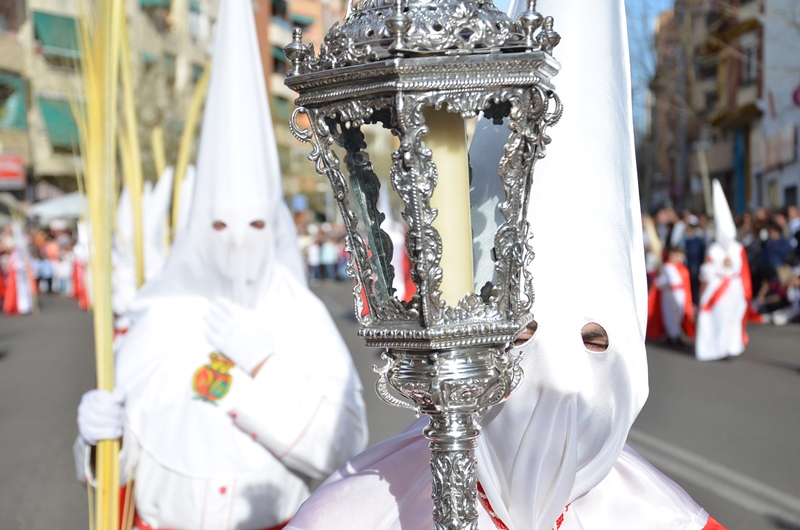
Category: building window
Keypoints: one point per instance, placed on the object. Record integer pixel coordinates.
(707, 68)
(281, 109)
(169, 69)
(195, 14)
(149, 61)
(10, 12)
(711, 99)
(749, 65)
(13, 102)
(301, 21)
(278, 61)
(158, 13)
(59, 121)
(57, 37)
(197, 72)
(790, 196)
(279, 8)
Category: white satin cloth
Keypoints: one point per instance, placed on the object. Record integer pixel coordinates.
(559, 439)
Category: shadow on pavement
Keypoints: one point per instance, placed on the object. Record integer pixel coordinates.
(678, 347)
(779, 522)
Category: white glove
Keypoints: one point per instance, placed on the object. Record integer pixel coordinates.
(100, 415)
(242, 335)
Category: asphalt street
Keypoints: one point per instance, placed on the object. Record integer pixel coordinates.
(727, 432)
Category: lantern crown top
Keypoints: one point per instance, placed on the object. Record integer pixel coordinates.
(375, 30)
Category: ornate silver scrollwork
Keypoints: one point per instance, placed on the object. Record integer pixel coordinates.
(386, 64)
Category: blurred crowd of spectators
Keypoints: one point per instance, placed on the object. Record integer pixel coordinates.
(322, 246)
(50, 258)
(772, 243)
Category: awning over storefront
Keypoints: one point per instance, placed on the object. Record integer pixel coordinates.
(69, 206)
(155, 3)
(59, 122)
(277, 52)
(57, 34)
(149, 58)
(302, 20)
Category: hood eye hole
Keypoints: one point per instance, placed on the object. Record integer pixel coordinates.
(595, 338)
(527, 334)
(258, 224)
(219, 225)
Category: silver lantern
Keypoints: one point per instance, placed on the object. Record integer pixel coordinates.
(420, 68)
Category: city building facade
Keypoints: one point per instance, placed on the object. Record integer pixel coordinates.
(723, 103)
(40, 82)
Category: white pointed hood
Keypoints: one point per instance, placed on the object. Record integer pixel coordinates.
(238, 183)
(724, 227)
(560, 434)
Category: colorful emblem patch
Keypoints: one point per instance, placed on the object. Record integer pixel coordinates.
(212, 381)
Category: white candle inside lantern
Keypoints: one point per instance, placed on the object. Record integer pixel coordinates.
(448, 142)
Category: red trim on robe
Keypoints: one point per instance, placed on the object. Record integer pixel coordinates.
(499, 524)
(655, 320)
(10, 300)
(688, 309)
(712, 524)
(747, 282)
(79, 285)
(721, 290)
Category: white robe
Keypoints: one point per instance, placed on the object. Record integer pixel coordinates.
(247, 460)
(394, 477)
(720, 320)
(673, 299)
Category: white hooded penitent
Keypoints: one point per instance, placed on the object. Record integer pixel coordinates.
(557, 439)
(727, 288)
(234, 441)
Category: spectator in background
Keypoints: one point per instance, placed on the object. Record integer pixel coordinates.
(695, 244)
(705, 227)
(776, 248)
(62, 272)
(793, 222)
(328, 255)
(313, 258)
(791, 312)
(44, 273)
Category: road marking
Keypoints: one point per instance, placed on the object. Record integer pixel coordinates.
(724, 482)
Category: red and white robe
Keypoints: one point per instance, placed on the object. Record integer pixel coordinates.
(725, 296)
(670, 303)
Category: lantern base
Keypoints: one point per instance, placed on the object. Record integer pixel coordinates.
(452, 387)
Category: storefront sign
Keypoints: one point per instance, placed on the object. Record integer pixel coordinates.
(12, 172)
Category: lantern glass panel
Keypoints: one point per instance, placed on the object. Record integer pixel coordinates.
(486, 193)
(364, 154)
